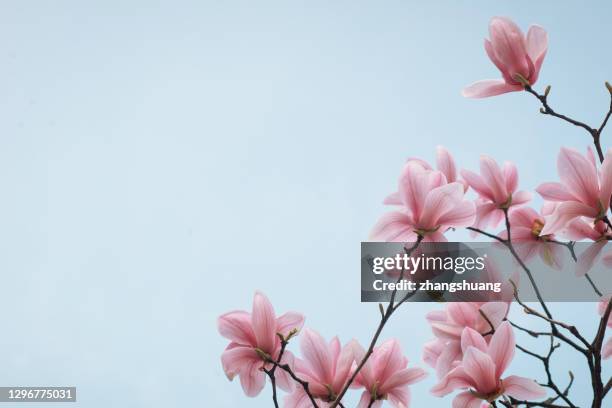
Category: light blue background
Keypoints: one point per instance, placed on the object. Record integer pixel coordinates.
(159, 161)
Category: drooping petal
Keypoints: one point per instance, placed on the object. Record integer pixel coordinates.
(489, 87)
(521, 197)
(523, 388)
(236, 326)
(264, 322)
(501, 347)
(402, 378)
(399, 398)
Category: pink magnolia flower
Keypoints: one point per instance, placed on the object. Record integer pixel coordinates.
(385, 376)
(526, 232)
(430, 206)
(606, 351)
(479, 373)
(448, 326)
(496, 188)
(445, 164)
(583, 191)
(326, 367)
(518, 58)
(253, 335)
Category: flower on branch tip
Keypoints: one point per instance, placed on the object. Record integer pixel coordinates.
(447, 325)
(429, 205)
(385, 376)
(479, 373)
(583, 190)
(325, 366)
(254, 339)
(518, 57)
(496, 188)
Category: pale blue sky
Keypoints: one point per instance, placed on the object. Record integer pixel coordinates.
(159, 161)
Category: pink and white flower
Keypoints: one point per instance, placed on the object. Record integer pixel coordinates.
(252, 336)
(385, 376)
(496, 188)
(518, 57)
(479, 374)
(583, 191)
(429, 206)
(326, 367)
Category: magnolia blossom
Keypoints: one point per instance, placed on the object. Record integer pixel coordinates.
(448, 326)
(385, 376)
(606, 351)
(445, 163)
(496, 188)
(254, 336)
(326, 367)
(518, 57)
(429, 206)
(582, 192)
(526, 229)
(479, 372)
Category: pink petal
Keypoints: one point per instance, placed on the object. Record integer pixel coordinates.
(344, 364)
(252, 379)
(478, 184)
(607, 259)
(364, 401)
(565, 213)
(471, 338)
(438, 203)
(462, 313)
(393, 227)
(487, 214)
(415, 184)
(399, 398)
(555, 192)
(446, 164)
(463, 214)
(588, 257)
(508, 42)
(317, 355)
(466, 400)
(481, 368)
(492, 175)
(236, 357)
(493, 57)
(606, 352)
(456, 378)
(289, 321)
(578, 175)
(432, 351)
(537, 45)
(283, 379)
(402, 378)
(264, 322)
(521, 197)
(606, 180)
(523, 388)
(388, 360)
(523, 217)
(495, 311)
(446, 331)
(393, 199)
(236, 326)
(489, 87)
(579, 229)
(501, 347)
(298, 399)
(511, 176)
(449, 356)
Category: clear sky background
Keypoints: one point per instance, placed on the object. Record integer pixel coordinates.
(160, 161)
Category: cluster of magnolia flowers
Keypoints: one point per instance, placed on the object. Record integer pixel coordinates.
(474, 343)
